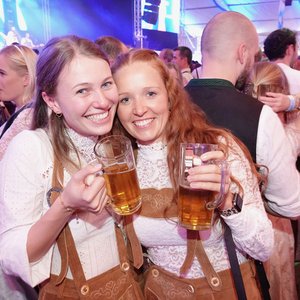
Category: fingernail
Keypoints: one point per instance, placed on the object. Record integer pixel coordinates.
(204, 156)
(100, 173)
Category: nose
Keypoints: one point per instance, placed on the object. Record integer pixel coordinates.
(139, 108)
(100, 100)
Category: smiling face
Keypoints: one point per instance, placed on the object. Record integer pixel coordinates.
(86, 95)
(143, 102)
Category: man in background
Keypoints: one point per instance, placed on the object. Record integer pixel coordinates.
(182, 57)
(229, 45)
(281, 47)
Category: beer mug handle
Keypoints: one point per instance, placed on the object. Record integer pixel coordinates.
(220, 198)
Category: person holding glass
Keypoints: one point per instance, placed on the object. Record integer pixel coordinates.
(267, 77)
(54, 230)
(155, 111)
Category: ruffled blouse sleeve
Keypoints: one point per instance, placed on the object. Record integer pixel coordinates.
(22, 122)
(25, 165)
(251, 229)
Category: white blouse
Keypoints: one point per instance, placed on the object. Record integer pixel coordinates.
(25, 177)
(166, 241)
(292, 129)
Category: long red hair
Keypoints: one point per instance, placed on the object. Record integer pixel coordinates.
(187, 122)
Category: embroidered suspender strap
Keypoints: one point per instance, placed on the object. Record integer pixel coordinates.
(61, 240)
(195, 248)
(190, 252)
(234, 264)
(135, 245)
(211, 275)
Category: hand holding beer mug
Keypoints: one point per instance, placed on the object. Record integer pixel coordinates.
(196, 206)
(116, 155)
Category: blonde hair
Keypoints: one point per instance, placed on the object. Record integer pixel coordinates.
(267, 77)
(22, 59)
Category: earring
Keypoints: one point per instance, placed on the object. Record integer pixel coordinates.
(58, 115)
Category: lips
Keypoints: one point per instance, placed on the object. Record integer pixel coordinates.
(143, 123)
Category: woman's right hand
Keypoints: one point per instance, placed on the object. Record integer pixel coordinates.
(86, 190)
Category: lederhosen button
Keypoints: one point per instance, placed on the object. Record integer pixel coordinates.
(215, 281)
(84, 290)
(155, 273)
(125, 266)
(191, 289)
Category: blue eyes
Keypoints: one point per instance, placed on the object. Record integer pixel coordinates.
(126, 100)
(105, 85)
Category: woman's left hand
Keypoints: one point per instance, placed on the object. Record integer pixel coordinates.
(208, 176)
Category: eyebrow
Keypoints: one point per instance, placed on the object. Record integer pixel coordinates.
(87, 83)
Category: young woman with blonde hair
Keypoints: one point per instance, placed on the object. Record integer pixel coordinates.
(268, 77)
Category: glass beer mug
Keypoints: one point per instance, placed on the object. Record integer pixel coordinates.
(116, 156)
(196, 206)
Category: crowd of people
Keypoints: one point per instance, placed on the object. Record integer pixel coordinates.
(59, 239)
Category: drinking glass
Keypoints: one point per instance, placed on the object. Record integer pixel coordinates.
(196, 206)
(116, 156)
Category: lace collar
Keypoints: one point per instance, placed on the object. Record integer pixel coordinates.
(84, 145)
(153, 151)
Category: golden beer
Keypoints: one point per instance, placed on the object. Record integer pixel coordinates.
(192, 210)
(123, 188)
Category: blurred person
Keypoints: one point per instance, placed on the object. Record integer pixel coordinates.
(17, 76)
(111, 46)
(27, 41)
(182, 56)
(268, 76)
(17, 83)
(166, 55)
(175, 71)
(281, 47)
(58, 200)
(12, 36)
(227, 55)
(151, 103)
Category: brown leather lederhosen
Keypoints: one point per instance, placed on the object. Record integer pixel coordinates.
(161, 284)
(116, 283)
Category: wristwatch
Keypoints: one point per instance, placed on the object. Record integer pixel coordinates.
(237, 203)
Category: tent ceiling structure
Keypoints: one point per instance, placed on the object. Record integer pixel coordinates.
(263, 13)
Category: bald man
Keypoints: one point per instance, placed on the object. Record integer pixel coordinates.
(229, 44)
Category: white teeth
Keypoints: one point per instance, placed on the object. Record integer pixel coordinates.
(143, 122)
(98, 117)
